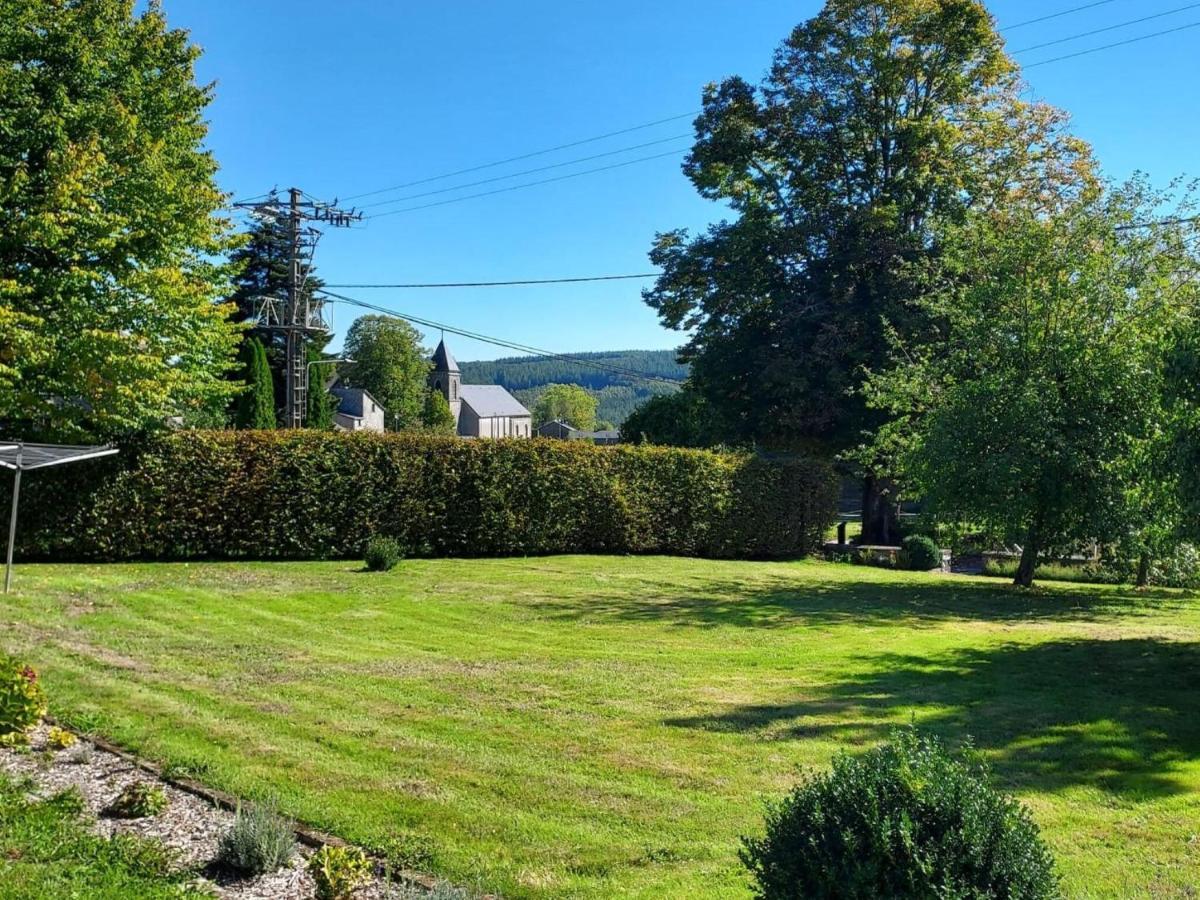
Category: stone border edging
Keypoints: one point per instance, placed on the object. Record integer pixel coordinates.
(310, 837)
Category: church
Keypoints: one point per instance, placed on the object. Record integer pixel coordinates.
(481, 410)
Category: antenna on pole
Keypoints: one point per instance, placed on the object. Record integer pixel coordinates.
(297, 314)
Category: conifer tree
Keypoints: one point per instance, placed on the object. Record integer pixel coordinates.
(261, 263)
(321, 404)
(256, 407)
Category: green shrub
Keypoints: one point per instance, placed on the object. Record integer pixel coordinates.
(299, 494)
(258, 842)
(1080, 573)
(1181, 569)
(919, 553)
(138, 800)
(382, 554)
(338, 871)
(408, 851)
(59, 739)
(22, 701)
(907, 819)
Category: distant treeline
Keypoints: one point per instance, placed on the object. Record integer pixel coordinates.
(618, 394)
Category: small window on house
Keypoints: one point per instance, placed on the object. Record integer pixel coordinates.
(453, 390)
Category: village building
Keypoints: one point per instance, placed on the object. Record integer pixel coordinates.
(561, 431)
(357, 410)
(481, 410)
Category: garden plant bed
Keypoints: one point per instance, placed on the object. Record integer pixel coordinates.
(595, 726)
(190, 825)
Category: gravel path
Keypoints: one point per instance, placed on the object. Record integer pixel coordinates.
(192, 826)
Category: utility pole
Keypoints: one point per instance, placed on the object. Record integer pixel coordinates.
(297, 314)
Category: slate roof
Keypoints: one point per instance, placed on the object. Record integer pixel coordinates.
(350, 401)
(489, 400)
(557, 428)
(443, 359)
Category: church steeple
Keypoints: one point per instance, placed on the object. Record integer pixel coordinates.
(446, 377)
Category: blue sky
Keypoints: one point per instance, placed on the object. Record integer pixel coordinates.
(348, 97)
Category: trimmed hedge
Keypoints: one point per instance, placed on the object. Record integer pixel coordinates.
(306, 495)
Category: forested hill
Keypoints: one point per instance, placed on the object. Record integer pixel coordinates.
(618, 394)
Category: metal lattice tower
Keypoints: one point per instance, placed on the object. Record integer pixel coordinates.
(298, 314)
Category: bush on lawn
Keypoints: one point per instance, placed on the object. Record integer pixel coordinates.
(920, 553)
(59, 739)
(258, 842)
(338, 871)
(1181, 569)
(382, 554)
(138, 800)
(907, 819)
(22, 701)
(304, 495)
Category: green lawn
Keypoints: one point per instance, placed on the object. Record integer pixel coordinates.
(608, 726)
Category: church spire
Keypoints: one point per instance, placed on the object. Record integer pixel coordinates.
(443, 359)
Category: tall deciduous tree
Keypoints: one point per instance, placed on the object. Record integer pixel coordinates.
(110, 225)
(390, 362)
(876, 117)
(568, 403)
(1184, 399)
(256, 407)
(1039, 415)
(682, 419)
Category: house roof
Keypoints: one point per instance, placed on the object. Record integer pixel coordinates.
(557, 426)
(488, 400)
(350, 401)
(443, 359)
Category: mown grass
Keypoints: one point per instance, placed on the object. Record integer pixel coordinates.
(48, 851)
(600, 726)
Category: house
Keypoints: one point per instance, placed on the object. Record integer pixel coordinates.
(558, 430)
(481, 410)
(357, 410)
(563, 432)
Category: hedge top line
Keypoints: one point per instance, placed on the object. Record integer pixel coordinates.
(298, 495)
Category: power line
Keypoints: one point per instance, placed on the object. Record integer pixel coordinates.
(1144, 37)
(1065, 12)
(1075, 37)
(681, 137)
(641, 275)
(530, 155)
(1151, 224)
(517, 187)
(473, 284)
(500, 342)
(569, 162)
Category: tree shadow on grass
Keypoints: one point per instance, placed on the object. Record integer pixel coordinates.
(1117, 715)
(913, 600)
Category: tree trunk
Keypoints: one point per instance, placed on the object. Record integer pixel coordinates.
(880, 512)
(1143, 572)
(1029, 557)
